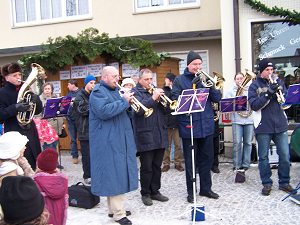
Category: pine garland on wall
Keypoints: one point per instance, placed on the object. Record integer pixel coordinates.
(291, 17)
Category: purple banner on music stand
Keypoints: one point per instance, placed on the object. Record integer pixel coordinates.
(56, 107)
(192, 101)
(240, 103)
(293, 95)
(227, 105)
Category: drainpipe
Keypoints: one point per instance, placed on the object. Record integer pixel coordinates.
(237, 36)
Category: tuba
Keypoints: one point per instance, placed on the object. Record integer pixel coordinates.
(248, 77)
(207, 81)
(25, 94)
(164, 99)
(279, 95)
(136, 105)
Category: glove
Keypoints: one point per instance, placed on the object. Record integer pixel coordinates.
(272, 89)
(22, 106)
(34, 98)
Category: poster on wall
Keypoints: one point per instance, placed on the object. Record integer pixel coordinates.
(95, 69)
(128, 70)
(154, 80)
(56, 86)
(64, 75)
(114, 64)
(78, 72)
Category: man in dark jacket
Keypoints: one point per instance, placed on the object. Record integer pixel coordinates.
(9, 109)
(203, 130)
(270, 123)
(151, 138)
(173, 133)
(81, 108)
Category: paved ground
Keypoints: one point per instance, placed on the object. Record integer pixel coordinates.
(238, 203)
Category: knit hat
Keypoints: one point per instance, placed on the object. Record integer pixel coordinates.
(20, 199)
(192, 56)
(263, 64)
(170, 76)
(11, 144)
(10, 68)
(47, 160)
(88, 79)
(128, 81)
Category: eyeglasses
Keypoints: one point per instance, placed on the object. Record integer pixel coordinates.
(116, 76)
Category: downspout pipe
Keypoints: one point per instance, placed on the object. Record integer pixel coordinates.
(236, 28)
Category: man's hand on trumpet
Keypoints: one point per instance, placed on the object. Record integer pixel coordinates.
(128, 96)
(157, 92)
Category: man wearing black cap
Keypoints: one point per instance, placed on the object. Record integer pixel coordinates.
(270, 123)
(9, 109)
(203, 129)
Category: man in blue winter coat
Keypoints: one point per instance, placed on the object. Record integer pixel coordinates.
(112, 146)
(203, 130)
(270, 123)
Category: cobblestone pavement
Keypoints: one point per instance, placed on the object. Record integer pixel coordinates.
(238, 203)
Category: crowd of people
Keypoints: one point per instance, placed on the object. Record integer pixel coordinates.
(110, 122)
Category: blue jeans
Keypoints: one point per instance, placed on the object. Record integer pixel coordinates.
(282, 148)
(242, 144)
(73, 135)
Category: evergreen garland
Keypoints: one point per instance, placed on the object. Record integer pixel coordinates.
(89, 44)
(290, 17)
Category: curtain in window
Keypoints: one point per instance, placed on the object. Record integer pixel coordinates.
(30, 6)
(157, 2)
(83, 7)
(172, 2)
(20, 11)
(188, 1)
(71, 8)
(56, 9)
(45, 9)
(142, 3)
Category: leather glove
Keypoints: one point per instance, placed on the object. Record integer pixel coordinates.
(272, 89)
(34, 98)
(22, 106)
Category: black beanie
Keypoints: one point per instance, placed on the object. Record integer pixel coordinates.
(170, 76)
(192, 56)
(10, 68)
(263, 64)
(20, 199)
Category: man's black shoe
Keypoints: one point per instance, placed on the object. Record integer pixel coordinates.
(210, 194)
(128, 213)
(190, 199)
(124, 221)
(159, 197)
(147, 200)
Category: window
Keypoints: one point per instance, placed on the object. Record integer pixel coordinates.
(281, 44)
(161, 5)
(32, 12)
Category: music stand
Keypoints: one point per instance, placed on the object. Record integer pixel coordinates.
(57, 107)
(191, 101)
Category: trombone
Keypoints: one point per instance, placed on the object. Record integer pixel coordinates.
(137, 105)
(216, 81)
(164, 99)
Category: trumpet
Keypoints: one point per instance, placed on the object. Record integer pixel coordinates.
(137, 105)
(208, 81)
(164, 99)
(279, 95)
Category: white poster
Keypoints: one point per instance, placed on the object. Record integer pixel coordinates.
(114, 64)
(94, 69)
(78, 72)
(56, 86)
(64, 75)
(154, 79)
(128, 70)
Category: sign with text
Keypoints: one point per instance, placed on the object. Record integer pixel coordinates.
(78, 72)
(95, 69)
(64, 75)
(128, 70)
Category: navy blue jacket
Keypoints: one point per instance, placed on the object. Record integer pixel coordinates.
(150, 133)
(203, 122)
(268, 116)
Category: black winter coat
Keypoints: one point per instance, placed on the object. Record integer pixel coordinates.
(81, 113)
(150, 133)
(170, 119)
(8, 113)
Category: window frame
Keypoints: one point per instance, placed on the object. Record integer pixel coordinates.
(165, 7)
(40, 21)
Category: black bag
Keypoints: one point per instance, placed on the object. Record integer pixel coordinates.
(81, 196)
(63, 133)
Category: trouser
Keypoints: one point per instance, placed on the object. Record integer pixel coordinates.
(150, 171)
(115, 206)
(216, 152)
(73, 136)
(85, 153)
(203, 152)
(173, 135)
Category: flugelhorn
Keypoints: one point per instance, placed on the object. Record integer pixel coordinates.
(136, 105)
(164, 99)
(208, 81)
(279, 95)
